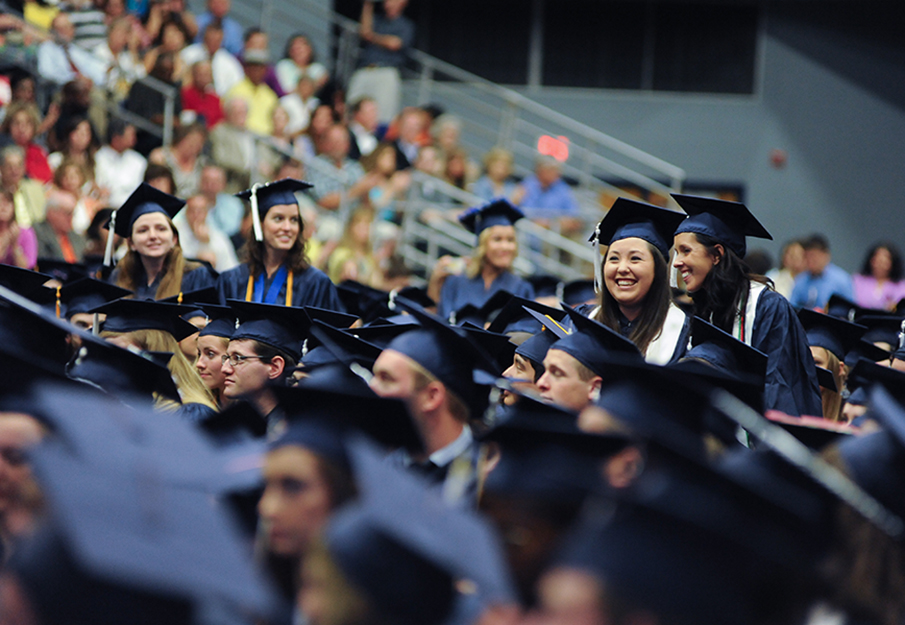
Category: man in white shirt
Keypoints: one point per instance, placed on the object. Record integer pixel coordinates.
(61, 61)
(200, 238)
(118, 168)
(226, 68)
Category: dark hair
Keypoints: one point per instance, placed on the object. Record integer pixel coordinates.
(251, 32)
(895, 272)
(156, 170)
(296, 258)
(176, 20)
(724, 288)
(116, 127)
(295, 36)
(181, 132)
(268, 352)
(816, 241)
(653, 313)
(215, 24)
(759, 261)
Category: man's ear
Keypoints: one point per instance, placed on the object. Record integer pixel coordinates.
(596, 383)
(277, 366)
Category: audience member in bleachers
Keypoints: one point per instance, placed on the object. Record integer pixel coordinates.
(119, 52)
(547, 198)
(27, 194)
(70, 178)
(200, 237)
(185, 158)
(270, 155)
(150, 103)
(322, 119)
(226, 70)
(455, 171)
(60, 61)
(200, 97)
(389, 185)
(346, 181)
(257, 39)
(353, 257)
(56, 238)
(411, 128)
(22, 87)
(172, 40)
(300, 61)
(232, 30)
(430, 161)
(78, 144)
(363, 127)
(87, 21)
(299, 105)
(879, 284)
(162, 11)
(259, 97)
(20, 125)
(78, 98)
(116, 9)
(791, 264)
(496, 180)
(232, 145)
(822, 279)
(18, 244)
(388, 37)
(118, 168)
(226, 209)
(160, 177)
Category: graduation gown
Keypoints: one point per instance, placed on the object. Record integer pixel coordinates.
(312, 287)
(791, 384)
(669, 346)
(199, 278)
(458, 291)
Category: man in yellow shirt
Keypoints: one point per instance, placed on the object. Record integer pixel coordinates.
(260, 98)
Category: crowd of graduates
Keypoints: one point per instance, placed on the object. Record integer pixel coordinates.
(266, 446)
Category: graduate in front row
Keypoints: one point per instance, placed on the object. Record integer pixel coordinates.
(710, 248)
(276, 269)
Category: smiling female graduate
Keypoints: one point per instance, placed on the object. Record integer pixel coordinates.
(709, 251)
(276, 269)
(154, 267)
(634, 292)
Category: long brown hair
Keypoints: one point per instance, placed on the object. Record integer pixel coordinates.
(296, 258)
(174, 268)
(649, 323)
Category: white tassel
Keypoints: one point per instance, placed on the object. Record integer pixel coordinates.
(108, 250)
(673, 272)
(255, 215)
(598, 262)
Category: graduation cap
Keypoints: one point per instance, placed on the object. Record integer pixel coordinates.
(163, 541)
(727, 222)
(578, 292)
(121, 372)
(498, 212)
(281, 327)
(221, 321)
(629, 218)
(407, 551)
(831, 333)
(866, 374)
(725, 352)
(594, 345)
(866, 350)
(881, 329)
(235, 424)
(62, 270)
(129, 315)
(414, 294)
(486, 312)
(815, 432)
(826, 379)
(843, 308)
(207, 295)
(144, 200)
(381, 335)
(445, 351)
(85, 294)
(515, 318)
(26, 283)
(535, 350)
(343, 346)
(497, 345)
(320, 417)
(546, 286)
(263, 197)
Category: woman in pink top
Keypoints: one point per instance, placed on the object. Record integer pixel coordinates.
(18, 246)
(880, 284)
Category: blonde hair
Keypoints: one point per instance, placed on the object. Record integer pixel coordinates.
(832, 400)
(479, 257)
(498, 154)
(191, 389)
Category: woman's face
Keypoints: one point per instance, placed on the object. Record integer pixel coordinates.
(152, 235)
(300, 51)
(628, 272)
(501, 247)
(24, 91)
(280, 119)
(80, 137)
(7, 209)
(21, 129)
(498, 169)
(115, 8)
(296, 502)
(693, 261)
(71, 180)
(173, 38)
(192, 143)
(881, 264)
(321, 120)
(386, 162)
(208, 363)
(361, 230)
(281, 227)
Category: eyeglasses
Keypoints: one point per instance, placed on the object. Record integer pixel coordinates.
(237, 359)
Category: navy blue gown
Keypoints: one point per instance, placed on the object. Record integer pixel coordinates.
(312, 287)
(200, 278)
(458, 291)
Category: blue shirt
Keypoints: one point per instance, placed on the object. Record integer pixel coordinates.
(812, 291)
(232, 33)
(557, 198)
(373, 54)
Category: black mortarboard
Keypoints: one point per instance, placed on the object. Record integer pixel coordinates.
(499, 212)
(843, 308)
(486, 312)
(121, 372)
(28, 330)
(145, 199)
(514, 318)
(726, 222)
(866, 350)
(826, 379)
(594, 344)
(881, 329)
(815, 432)
(865, 373)
(381, 335)
(344, 346)
(546, 286)
(332, 318)
(207, 295)
(26, 283)
(835, 335)
(535, 350)
(86, 294)
(629, 218)
(221, 321)
(62, 270)
(310, 411)
(264, 197)
(235, 424)
(578, 292)
(129, 315)
(724, 351)
(281, 327)
(498, 346)
(406, 550)
(417, 294)
(445, 351)
(364, 301)
(161, 539)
